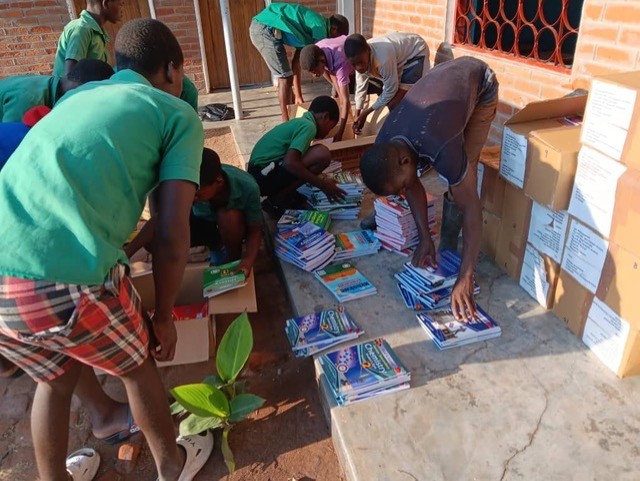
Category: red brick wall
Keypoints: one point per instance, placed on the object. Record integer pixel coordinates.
(29, 32)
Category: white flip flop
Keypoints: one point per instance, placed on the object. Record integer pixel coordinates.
(198, 448)
(83, 464)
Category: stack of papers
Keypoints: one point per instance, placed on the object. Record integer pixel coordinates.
(322, 330)
(345, 282)
(355, 244)
(307, 246)
(364, 371)
(396, 227)
(447, 332)
(219, 279)
(291, 218)
(347, 208)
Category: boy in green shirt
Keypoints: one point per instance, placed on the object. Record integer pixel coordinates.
(282, 160)
(85, 36)
(294, 25)
(66, 303)
(21, 93)
(225, 213)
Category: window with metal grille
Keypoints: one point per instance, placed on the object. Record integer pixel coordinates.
(544, 31)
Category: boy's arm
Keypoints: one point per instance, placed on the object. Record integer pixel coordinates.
(295, 67)
(254, 239)
(425, 253)
(77, 48)
(362, 83)
(465, 195)
(293, 163)
(390, 83)
(345, 106)
(171, 248)
(143, 239)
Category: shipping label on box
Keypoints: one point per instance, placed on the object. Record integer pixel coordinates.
(548, 231)
(607, 138)
(513, 160)
(594, 192)
(606, 334)
(584, 255)
(610, 104)
(533, 277)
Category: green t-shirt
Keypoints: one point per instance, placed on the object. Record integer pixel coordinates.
(74, 190)
(81, 38)
(244, 195)
(21, 93)
(294, 134)
(307, 26)
(189, 93)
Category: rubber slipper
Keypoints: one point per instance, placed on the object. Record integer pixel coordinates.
(82, 465)
(125, 434)
(198, 448)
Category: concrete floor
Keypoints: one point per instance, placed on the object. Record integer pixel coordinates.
(534, 404)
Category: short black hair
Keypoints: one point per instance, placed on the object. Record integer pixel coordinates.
(324, 103)
(90, 70)
(377, 166)
(310, 57)
(354, 45)
(146, 45)
(210, 168)
(340, 22)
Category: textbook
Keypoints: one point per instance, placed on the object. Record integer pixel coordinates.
(345, 282)
(320, 331)
(219, 279)
(355, 244)
(437, 299)
(306, 246)
(446, 332)
(291, 218)
(348, 207)
(396, 227)
(448, 266)
(363, 371)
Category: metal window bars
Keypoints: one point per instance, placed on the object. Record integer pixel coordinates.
(542, 31)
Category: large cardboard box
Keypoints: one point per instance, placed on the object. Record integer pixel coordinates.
(552, 159)
(490, 229)
(514, 230)
(539, 276)
(491, 188)
(606, 197)
(541, 119)
(195, 315)
(612, 117)
(571, 303)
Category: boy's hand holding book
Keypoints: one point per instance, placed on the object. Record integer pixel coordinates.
(245, 267)
(331, 190)
(463, 304)
(425, 254)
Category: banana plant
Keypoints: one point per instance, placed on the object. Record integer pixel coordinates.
(220, 401)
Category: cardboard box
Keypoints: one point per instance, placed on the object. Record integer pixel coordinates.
(548, 231)
(612, 117)
(539, 276)
(571, 303)
(375, 119)
(606, 197)
(195, 315)
(552, 159)
(514, 230)
(348, 152)
(491, 188)
(490, 229)
(542, 119)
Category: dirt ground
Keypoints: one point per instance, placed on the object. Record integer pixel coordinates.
(287, 439)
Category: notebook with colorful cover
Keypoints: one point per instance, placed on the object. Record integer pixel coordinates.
(219, 279)
(345, 282)
(291, 218)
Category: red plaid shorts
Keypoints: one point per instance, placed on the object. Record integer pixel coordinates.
(46, 327)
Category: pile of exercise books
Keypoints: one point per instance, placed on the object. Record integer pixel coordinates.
(306, 246)
(292, 218)
(345, 282)
(355, 244)
(429, 288)
(333, 167)
(366, 370)
(447, 332)
(222, 278)
(348, 207)
(396, 227)
(320, 331)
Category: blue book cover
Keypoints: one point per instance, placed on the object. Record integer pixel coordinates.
(447, 332)
(319, 327)
(448, 266)
(303, 237)
(345, 281)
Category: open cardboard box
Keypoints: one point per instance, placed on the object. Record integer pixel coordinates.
(196, 334)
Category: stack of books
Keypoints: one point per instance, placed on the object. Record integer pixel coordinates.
(345, 282)
(291, 218)
(346, 208)
(320, 331)
(355, 244)
(430, 288)
(396, 227)
(447, 332)
(363, 371)
(306, 246)
(333, 167)
(219, 279)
